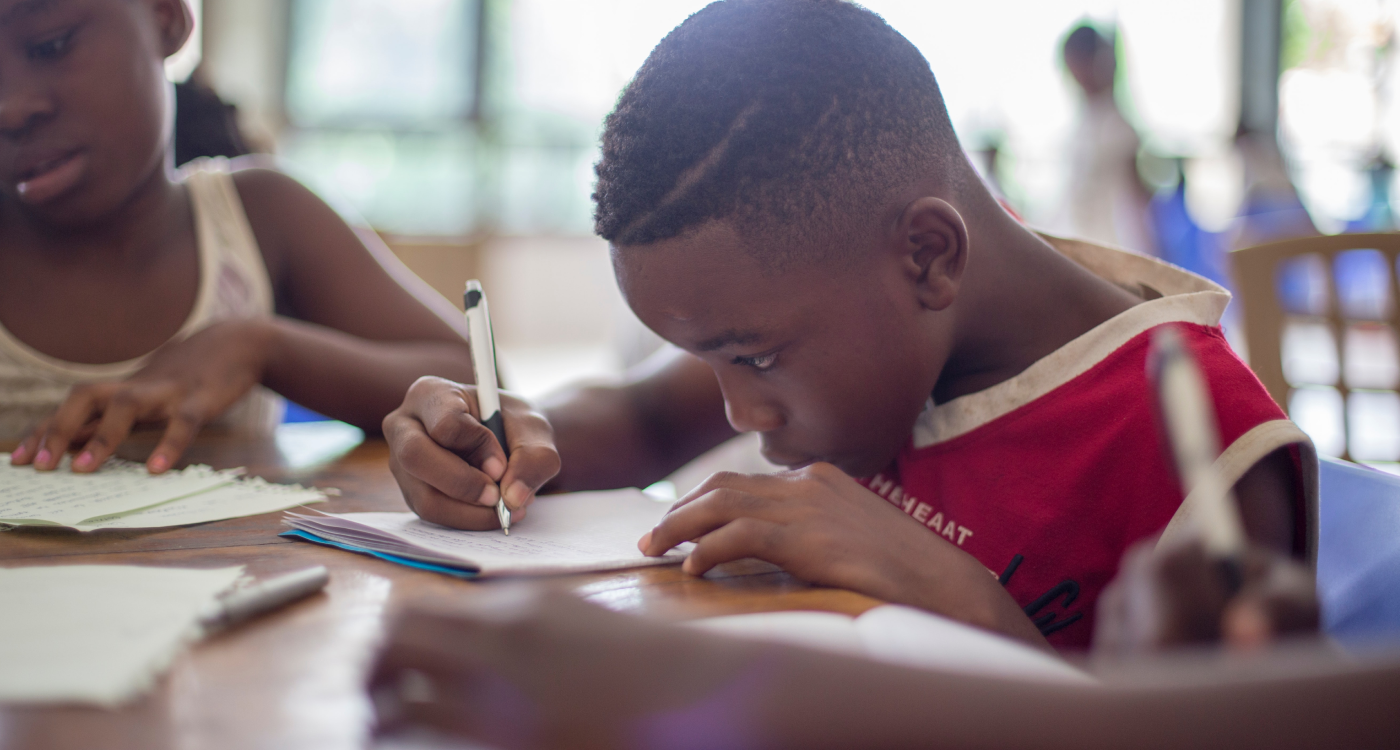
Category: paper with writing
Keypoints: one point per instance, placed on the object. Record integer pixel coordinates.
(64, 498)
(235, 500)
(561, 533)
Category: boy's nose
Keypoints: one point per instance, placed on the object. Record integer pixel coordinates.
(750, 412)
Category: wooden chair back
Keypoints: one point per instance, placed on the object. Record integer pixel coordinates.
(1268, 279)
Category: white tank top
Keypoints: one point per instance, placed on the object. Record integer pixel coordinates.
(233, 284)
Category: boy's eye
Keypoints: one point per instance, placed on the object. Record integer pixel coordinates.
(761, 362)
(51, 48)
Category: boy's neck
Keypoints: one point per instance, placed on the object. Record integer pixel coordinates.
(138, 231)
(1019, 301)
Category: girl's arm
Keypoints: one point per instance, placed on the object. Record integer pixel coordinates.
(355, 327)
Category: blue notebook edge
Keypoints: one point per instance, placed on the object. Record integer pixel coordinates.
(314, 539)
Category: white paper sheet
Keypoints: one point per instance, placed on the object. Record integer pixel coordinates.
(243, 498)
(905, 636)
(63, 498)
(571, 532)
(123, 495)
(97, 634)
(827, 631)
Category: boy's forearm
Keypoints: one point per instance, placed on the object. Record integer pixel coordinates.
(601, 440)
(353, 379)
(635, 432)
(607, 440)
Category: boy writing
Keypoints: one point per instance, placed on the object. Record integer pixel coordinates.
(787, 203)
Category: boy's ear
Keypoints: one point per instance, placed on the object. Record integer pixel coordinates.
(174, 23)
(933, 241)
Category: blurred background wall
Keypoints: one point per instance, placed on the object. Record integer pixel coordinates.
(465, 131)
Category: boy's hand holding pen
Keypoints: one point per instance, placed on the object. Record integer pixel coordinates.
(469, 456)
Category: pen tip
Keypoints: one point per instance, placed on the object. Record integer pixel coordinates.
(507, 531)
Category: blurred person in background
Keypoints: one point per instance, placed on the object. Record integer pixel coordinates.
(1106, 201)
(1271, 209)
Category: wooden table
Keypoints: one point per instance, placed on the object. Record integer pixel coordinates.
(293, 679)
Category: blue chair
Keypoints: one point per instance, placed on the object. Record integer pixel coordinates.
(1358, 560)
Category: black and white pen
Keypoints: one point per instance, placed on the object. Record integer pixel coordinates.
(1194, 438)
(488, 398)
(262, 597)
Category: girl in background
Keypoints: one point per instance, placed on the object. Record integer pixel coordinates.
(132, 295)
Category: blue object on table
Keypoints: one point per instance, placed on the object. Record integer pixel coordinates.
(308, 536)
(295, 412)
(1358, 560)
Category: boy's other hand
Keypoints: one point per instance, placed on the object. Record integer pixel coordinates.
(824, 527)
(816, 522)
(183, 386)
(449, 465)
(1180, 597)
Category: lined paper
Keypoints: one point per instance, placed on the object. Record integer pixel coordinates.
(122, 494)
(64, 498)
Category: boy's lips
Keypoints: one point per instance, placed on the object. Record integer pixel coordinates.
(51, 177)
(790, 462)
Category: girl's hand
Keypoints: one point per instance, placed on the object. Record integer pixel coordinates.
(449, 465)
(820, 525)
(1180, 597)
(183, 386)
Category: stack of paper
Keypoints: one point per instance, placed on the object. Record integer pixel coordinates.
(905, 636)
(97, 633)
(123, 495)
(580, 531)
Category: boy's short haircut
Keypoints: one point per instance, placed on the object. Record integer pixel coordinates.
(771, 113)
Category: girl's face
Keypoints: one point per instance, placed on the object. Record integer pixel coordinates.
(85, 113)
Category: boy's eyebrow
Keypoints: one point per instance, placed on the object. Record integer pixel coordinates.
(728, 338)
(25, 8)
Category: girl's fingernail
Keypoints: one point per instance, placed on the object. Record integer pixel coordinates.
(19, 454)
(494, 468)
(158, 464)
(83, 461)
(488, 496)
(42, 458)
(644, 542)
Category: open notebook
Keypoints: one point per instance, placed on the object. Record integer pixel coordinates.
(122, 494)
(574, 532)
(901, 635)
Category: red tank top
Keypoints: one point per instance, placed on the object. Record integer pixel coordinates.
(1049, 477)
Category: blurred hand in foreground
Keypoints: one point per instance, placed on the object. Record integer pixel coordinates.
(1180, 597)
(524, 667)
